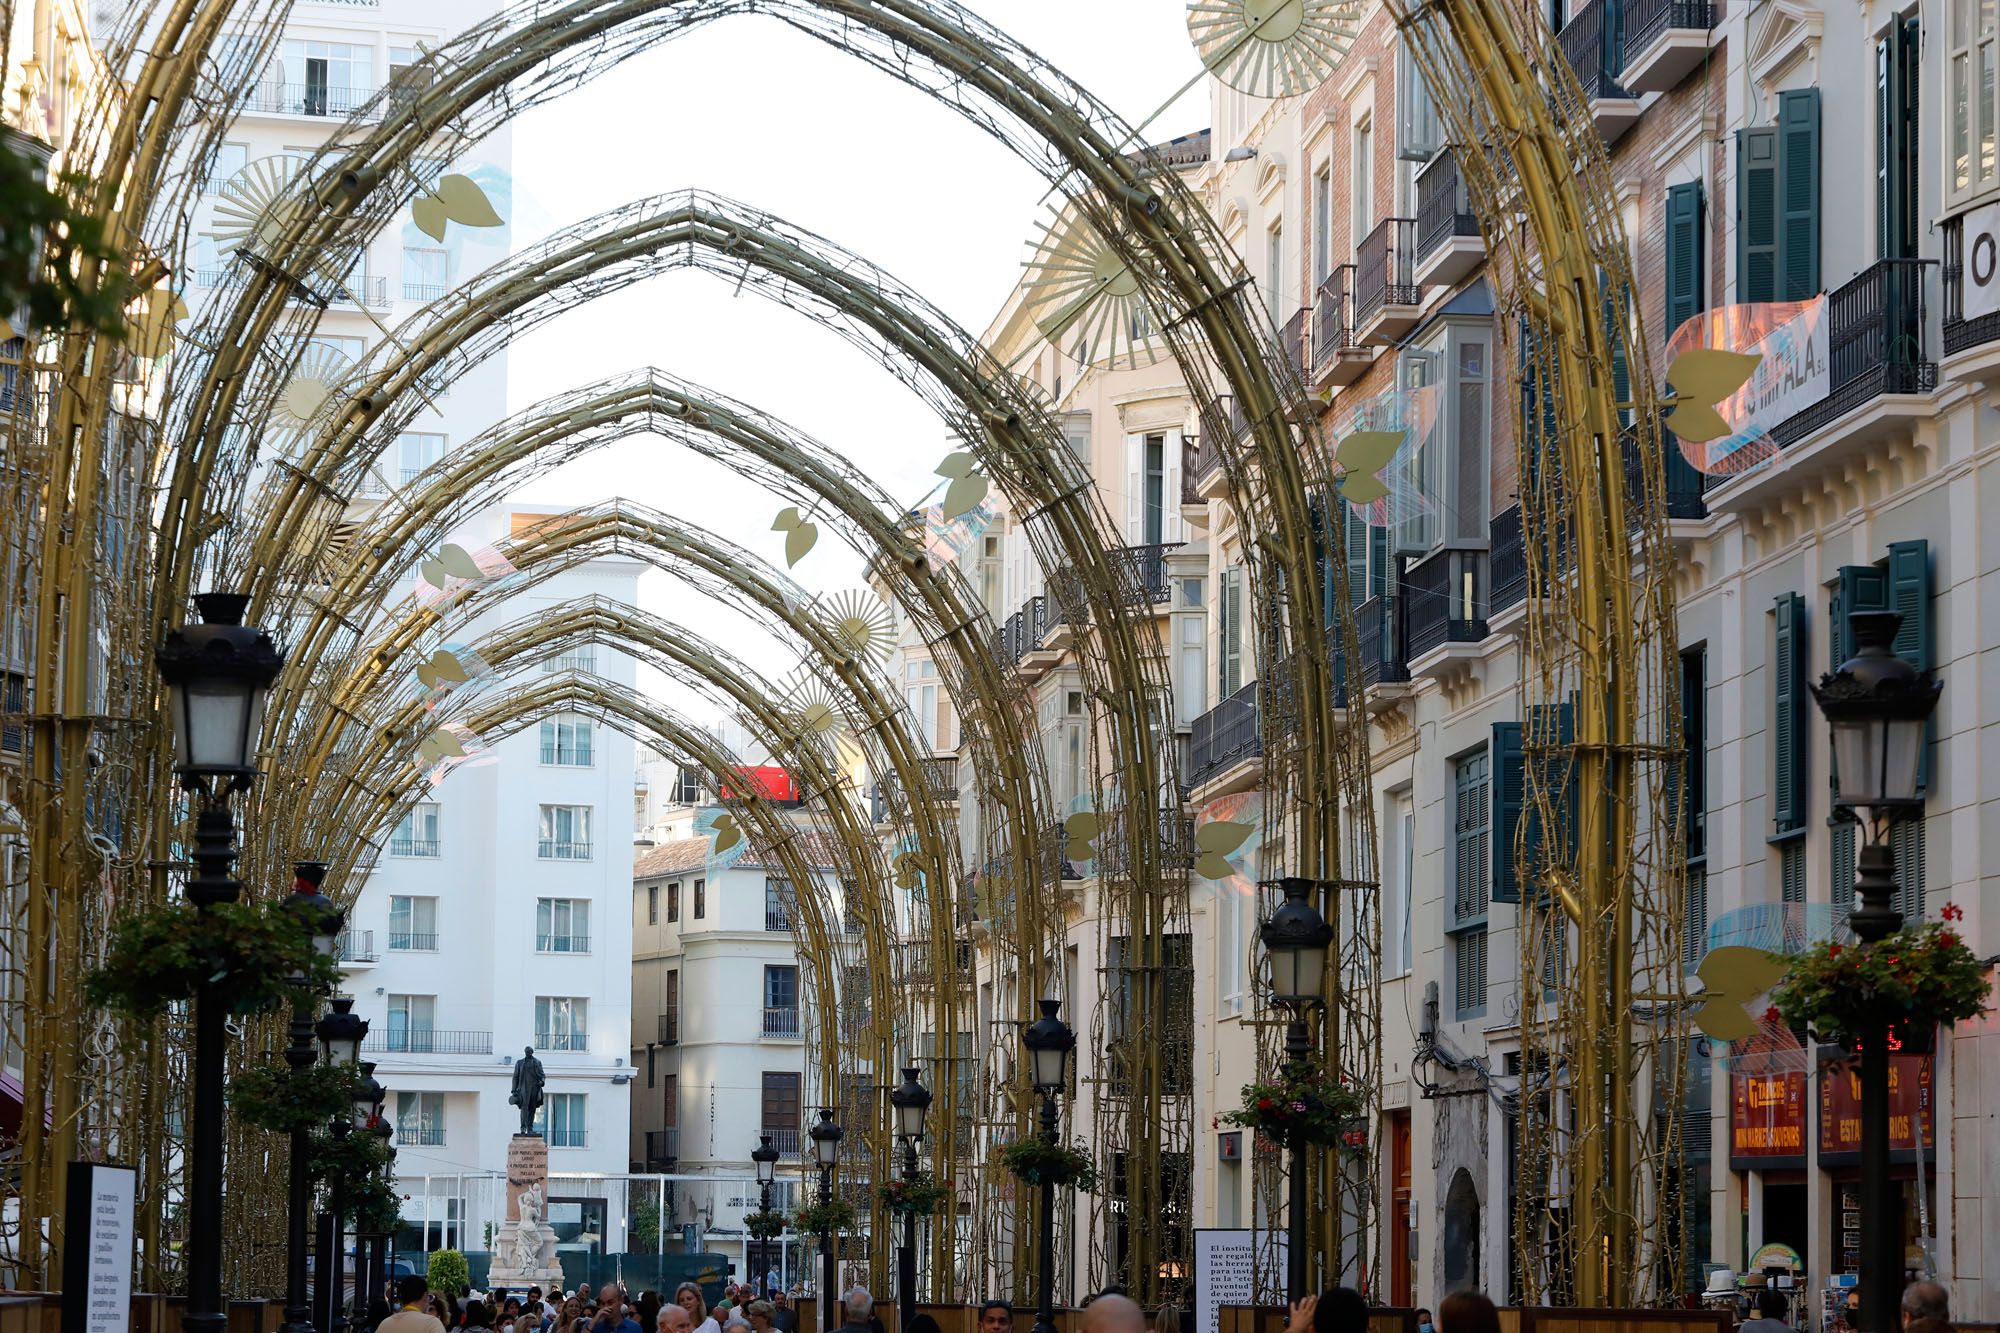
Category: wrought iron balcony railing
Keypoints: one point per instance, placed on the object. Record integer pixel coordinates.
(1225, 734)
(430, 1041)
(355, 946)
(423, 291)
(1332, 322)
(307, 99)
(567, 1039)
(781, 1022)
(1201, 459)
(556, 849)
(1437, 608)
(1378, 624)
(413, 846)
(1646, 20)
(1507, 561)
(1293, 337)
(1593, 43)
(663, 1148)
(405, 941)
(562, 944)
(1444, 208)
(1385, 269)
(1148, 584)
(785, 1138)
(670, 1026)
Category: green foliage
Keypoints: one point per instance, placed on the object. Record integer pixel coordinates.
(347, 1157)
(1920, 977)
(47, 244)
(1305, 1107)
(830, 1218)
(378, 1208)
(281, 1099)
(247, 950)
(449, 1273)
(1035, 1160)
(764, 1224)
(922, 1194)
(646, 1224)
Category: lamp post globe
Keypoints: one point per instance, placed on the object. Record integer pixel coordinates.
(1296, 939)
(826, 1134)
(912, 1102)
(368, 1096)
(218, 674)
(765, 1155)
(1049, 1041)
(341, 1032)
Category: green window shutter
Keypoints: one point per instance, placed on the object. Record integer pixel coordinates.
(1842, 892)
(1798, 154)
(1910, 593)
(1684, 252)
(1509, 799)
(1757, 214)
(1378, 562)
(1862, 588)
(1617, 333)
(1788, 719)
(1359, 537)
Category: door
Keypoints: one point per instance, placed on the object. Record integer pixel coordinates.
(316, 85)
(1402, 1270)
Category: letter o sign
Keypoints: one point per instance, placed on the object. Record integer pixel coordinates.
(1984, 256)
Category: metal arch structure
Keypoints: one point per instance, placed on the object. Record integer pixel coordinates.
(961, 62)
(1599, 1166)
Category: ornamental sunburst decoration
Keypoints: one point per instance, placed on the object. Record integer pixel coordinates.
(1085, 299)
(1273, 48)
(860, 624)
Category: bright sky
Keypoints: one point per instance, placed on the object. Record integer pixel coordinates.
(755, 111)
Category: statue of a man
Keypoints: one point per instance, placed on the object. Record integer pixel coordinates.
(527, 1092)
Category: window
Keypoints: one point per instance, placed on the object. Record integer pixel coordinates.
(562, 1023)
(1974, 87)
(1154, 502)
(1694, 731)
(1686, 291)
(415, 451)
(1468, 952)
(1451, 463)
(1399, 854)
(565, 833)
(1471, 828)
(700, 899)
(670, 1008)
(561, 1120)
(426, 273)
(1322, 224)
(920, 691)
(1694, 919)
(781, 1110)
(652, 904)
(1229, 636)
(229, 159)
(562, 925)
(412, 1021)
(1788, 716)
(1896, 84)
(1363, 209)
(566, 741)
(1076, 434)
(420, 1119)
(1777, 203)
(1418, 136)
(778, 905)
(781, 1001)
(583, 657)
(412, 923)
(673, 901)
(1551, 730)
(1229, 952)
(1274, 271)
(348, 348)
(417, 833)
(326, 78)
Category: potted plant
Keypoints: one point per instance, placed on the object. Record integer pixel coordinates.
(256, 955)
(1036, 1160)
(450, 1273)
(830, 1218)
(764, 1224)
(922, 1194)
(1305, 1107)
(281, 1099)
(1922, 977)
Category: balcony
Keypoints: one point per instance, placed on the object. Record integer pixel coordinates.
(1960, 333)
(1591, 41)
(1203, 477)
(1665, 41)
(1507, 562)
(1338, 357)
(1147, 567)
(352, 947)
(413, 846)
(423, 291)
(420, 1131)
(1444, 606)
(1378, 626)
(663, 1149)
(556, 849)
(1387, 300)
(1293, 337)
(565, 1040)
(403, 941)
(670, 1027)
(306, 99)
(429, 1041)
(364, 290)
(785, 1138)
(1683, 482)
(1225, 737)
(562, 944)
(781, 1024)
(567, 1136)
(941, 775)
(1449, 245)
(1877, 346)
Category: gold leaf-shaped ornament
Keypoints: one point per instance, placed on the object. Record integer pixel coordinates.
(799, 542)
(466, 204)
(447, 667)
(1082, 829)
(456, 561)
(963, 496)
(432, 573)
(1701, 378)
(1215, 840)
(727, 835)
(428, 212)
(1733, 976)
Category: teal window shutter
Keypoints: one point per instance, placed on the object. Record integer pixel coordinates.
(1359, 538)
(1910, 593)
(1684, 255)
(1617, 332)
(1757, 214)
(1862, 588)
(1788, 716)
(1509, 799)
(1378, 562)
(1798, 154)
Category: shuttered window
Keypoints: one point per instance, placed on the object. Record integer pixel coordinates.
(1512, 845)
(1788, 715)
(1469, 973)
(1471, 833)
(1896, 83)
(1685, 274)
(1229, 624)
(1777, 203)
(1792, 872)
(1694, 919)
(1906, 840)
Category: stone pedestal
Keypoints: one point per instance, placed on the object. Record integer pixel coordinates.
(524, 1247)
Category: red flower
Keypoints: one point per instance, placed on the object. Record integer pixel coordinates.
(1948, 940)
(1772, 1015)
(1833, 951)
(1895, 958)
(1263, 1103)
(1952, 912)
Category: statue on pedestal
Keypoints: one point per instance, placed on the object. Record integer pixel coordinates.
(527, 1094)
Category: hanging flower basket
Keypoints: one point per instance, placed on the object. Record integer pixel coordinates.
(281, 1099)
(830, 1219)
(1305, 1107)
(922, 1194)
(349, 1158)
(764, 1224)
(378, 1208)
(1921, 977)
(1036, 1161)
(247, 951)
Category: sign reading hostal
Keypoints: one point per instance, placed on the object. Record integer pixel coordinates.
(1910, 1108)
(1767, 1116)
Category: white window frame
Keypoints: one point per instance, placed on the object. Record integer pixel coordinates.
(562, 925)
(569, 740)
(563, 833)
(416, 831)
(563, 1119)
(419, 917)
(562, 1022)
(1362, 203)
(420, 1119)
(1971, 122)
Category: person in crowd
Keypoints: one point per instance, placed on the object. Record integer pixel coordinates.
(1467, 1312)
(1925, 1300)
(783, 1317)
(1772, 1307)
(996, 1316)
(411, 1315)
(1167, 1319)
(688, 1296)
(1424, 1323)
(510, 1310)
(648, 1313)
(611, 1316)
(859, 1307)
(923, 1323)
(478, 1314)
(572, 1310)
(674, 1319)
(1114, 1312)
(760, 1314)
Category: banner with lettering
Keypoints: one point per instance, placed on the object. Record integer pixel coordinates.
(1910, 1109)
(1767, 1118)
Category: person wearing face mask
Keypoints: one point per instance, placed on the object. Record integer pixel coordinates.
(1424, 1324)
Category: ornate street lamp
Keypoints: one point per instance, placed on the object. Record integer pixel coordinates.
(217, 675)
(1049, 1042)
(765, 1155)
(1296, 940)
(825, 1135)
(341, 1034)
(374, 1248)
(324, 920)
(911, 1101)
(1877, 706)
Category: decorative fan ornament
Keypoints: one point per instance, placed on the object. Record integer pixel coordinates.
(799, 534)
(255, 207)
(1735, 372)
(1081, 830)
(320, 369)
(860, 625)
(1082, 295)
(812, 705)
(1272, 48)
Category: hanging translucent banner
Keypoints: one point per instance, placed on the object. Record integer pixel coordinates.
(1722, 417)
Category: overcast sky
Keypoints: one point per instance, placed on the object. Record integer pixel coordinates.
(751, 109)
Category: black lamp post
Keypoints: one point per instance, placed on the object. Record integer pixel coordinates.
(366, 1114)
(340, 1036)
(1877, 706)
(376, 1284)
(1049, 1042)
(765, 1155)
(217, 675)
(324, 920)
(1296, 940)
(826, 1151)
(911, 1102)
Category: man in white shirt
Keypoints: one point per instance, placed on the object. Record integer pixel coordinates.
(410, 1293)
